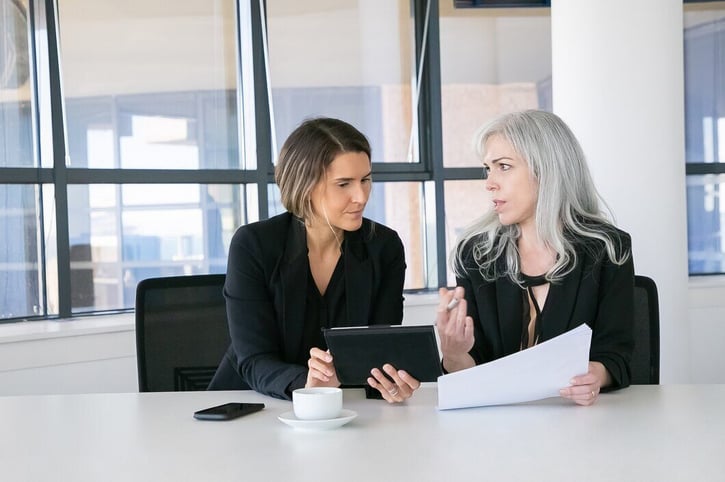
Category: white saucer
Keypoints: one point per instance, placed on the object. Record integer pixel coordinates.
(344, 417)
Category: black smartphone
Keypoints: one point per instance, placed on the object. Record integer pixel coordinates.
(228, 411)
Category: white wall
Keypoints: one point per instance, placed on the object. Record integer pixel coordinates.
(706, 323)
(82, 356)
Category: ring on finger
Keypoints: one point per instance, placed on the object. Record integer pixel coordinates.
(393, 391)
(593, 394)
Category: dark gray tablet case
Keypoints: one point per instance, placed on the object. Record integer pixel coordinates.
(358, 350)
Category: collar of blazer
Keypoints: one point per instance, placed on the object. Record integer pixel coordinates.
(359, 276)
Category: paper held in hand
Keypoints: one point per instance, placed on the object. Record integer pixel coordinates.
(532, 374)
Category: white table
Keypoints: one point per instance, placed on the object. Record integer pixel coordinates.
(643, 433)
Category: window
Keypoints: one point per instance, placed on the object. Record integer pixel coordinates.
(147, 88)
(21, 279)
(156, 126)
(705, 135)
(355, 64)
(140, 176)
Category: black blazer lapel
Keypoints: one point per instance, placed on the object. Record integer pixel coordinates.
(293, 280)
(358, 280)
(510, 304)
(560, 304)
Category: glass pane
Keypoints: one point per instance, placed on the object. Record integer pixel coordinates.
(493, 61)
(16, 128)
(399, 205)
(274, 200)
(465, 201)
(148, 86)
(705, 216)
(705, 82)
(121, 234)
(20, 275)
(354, 64)
(50, 241)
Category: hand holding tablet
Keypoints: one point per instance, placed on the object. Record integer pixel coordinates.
(357, 350)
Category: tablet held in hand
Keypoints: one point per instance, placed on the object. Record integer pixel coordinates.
(357, 350)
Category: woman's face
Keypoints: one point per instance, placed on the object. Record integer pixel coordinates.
(343, 192)
(513, 189)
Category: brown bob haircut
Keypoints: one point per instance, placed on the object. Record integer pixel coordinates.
(305, 156)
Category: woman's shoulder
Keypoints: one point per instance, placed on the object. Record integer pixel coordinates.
(269, 231)
(376, 238)
(621, 238)
(604, 229)
(601, 237)
(275, 223)
(374, 230)
(469, 257)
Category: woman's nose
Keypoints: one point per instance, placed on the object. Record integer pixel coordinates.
(359, 194)
(491, 184)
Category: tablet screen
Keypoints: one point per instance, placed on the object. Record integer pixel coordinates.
(358, 350)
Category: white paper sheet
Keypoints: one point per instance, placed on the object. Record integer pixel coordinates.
(531, 374)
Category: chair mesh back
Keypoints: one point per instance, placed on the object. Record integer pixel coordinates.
(645, 357)
(181, 331)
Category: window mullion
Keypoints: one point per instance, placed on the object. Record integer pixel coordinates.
(59, 161)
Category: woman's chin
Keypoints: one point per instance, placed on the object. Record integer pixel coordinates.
(351, 225)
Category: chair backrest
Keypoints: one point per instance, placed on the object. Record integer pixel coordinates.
(181, 331)
(646, 355)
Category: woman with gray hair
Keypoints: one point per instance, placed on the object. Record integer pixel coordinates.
(319, 265)
(543, 259)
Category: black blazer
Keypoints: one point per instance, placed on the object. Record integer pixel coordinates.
(266, 289)
(596, 292)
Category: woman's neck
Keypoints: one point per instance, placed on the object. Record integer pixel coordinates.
(323, 251)
(536, 257)
(323, 238)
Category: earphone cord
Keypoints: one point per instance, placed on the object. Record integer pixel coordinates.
(327, 220)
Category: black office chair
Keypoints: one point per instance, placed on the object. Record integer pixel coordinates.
(646, 355)
(181, 332)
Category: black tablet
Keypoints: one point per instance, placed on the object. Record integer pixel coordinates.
(358, 350)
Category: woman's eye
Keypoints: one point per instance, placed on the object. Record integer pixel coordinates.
(505, 167)
(343, 184)
(367, 180)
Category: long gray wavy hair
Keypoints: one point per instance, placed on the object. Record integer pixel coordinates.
(567, 209)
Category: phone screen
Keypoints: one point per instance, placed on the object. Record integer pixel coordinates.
(228, 411)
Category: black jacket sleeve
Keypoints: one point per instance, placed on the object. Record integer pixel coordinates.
(254, 327)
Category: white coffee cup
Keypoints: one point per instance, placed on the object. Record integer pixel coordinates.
(317, 403)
